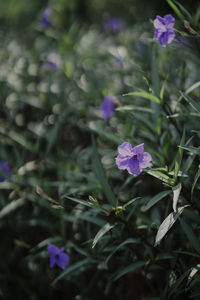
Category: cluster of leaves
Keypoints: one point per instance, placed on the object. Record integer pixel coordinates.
(127, 236)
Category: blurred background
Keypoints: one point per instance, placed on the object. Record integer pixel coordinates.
(53, 77)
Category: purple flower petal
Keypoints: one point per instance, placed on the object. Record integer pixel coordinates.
(132, 159)
(125, 149)
(57, 256)
(159, 23)
(46, 17)
(53, 250)
(51, 65)
(146, 160)
(134, 166)
(4, 169)
(107, 107)
(169, 21)
(164, 29)
(62, 260)
(122, 162)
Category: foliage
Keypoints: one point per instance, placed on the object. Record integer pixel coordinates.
(127, 236)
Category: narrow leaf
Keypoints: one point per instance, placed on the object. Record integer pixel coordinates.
(130, 268)
(144, 95)
(83, 202)
(101, 232)
(175, 9)
(195, 181)
(167, 224)
(156, 199)
(128, 241)
(190, 235)
(100, 173)
(176, 191)
(179, 157)
(72, 268)
(163, 89)
(192, 102)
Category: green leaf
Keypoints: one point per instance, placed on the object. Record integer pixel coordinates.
(156, 199)
(195, 181)
(58, 207)
(10, 207)
(83, 202)
(135, 108)
(178, 282)
(52, 136)
(176, 191)
(128, 241)
(163, 89)
(72, 268)
(190, 235)
(167, 224)
(193, 103)
(176, 9)
(193, 150)
(130, 202)
(130, 268)
(101, 232)
(179, 157)
(163, 177)
(144, 95)
(193, 272)
(100, 173)
(192, 87)
(185, 11)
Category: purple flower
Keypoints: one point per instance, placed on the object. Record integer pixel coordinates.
(107, 107)
(51, 65)
(4, 169)
(117, 62)
(46, 17)
(132, 159)
(113, 24)
(57, 256)
(164, 29)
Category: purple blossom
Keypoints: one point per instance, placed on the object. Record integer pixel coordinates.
(4, 169)
(113, 24)
(46, 17)
(164, 29)
(51, 65)
(57, 256)
(107, 107)
(132, 159)
(117, 62)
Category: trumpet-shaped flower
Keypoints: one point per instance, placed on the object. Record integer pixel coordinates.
(113, 24)
(164, 29)
(4, 169)
(107, 107)
(46, 17)
(51, 65)
(57, 256)
(132, 159)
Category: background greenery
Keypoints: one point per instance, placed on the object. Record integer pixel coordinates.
(53, 136)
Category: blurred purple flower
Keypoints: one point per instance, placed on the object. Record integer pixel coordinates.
(4, 169)
(46, 17)
(57, 256)
(107, 107)
(132, 159)
(51, 65)
(164, 29)
(117, 62)
(113, 24)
